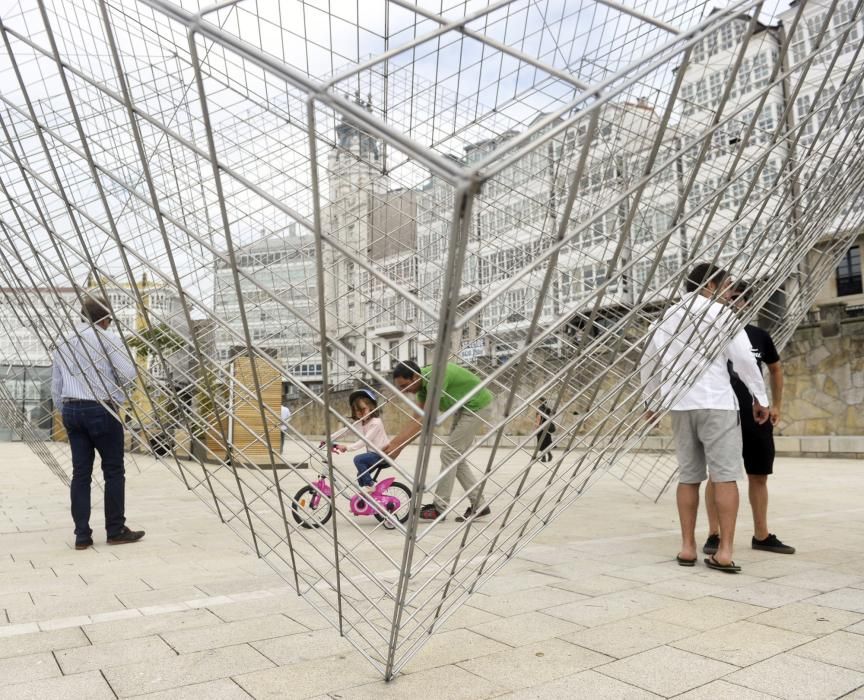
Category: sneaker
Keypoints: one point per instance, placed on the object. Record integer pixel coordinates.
(430, 512)
(470, 512)
(711, 544)
(126, 536)
(772, 544)
(84, 543)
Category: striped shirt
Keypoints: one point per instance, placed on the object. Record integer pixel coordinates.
(92, 364)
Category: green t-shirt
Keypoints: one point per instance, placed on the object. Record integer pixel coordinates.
(458, 382)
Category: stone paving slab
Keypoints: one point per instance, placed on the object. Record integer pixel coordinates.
(766, 594)
(595, 607)
(822, 580)
(597, 585)
(35, 642)
(628, 637)
(309, 678)
(110, 654)
(588, 684)
(839, 648)
(705, 613)
(145, 598)
(58, 606)
(526, 628)
(82, 685)
(146, 677)
(32, 667)
(223, 689)
(851, 599)
(721, 689)
(142, 626)
(509, 604)
(807, 618)
(286, 602)
(604, 609)
(449, 682)
(796, 678)
(667, 671)
(534, 663)
(304, 646)
(230, 633)
(452, 647)
(742, 643)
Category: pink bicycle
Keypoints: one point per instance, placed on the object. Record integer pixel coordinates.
(313, 504)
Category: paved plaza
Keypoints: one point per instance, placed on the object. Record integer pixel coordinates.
(594, 608)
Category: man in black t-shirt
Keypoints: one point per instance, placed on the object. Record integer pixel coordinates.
(758, 439)
(545, 428)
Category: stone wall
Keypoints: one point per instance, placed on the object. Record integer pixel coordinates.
(308, 418)
(824, 380)
(824, 389)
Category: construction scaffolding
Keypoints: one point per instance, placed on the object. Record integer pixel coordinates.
(280, 201)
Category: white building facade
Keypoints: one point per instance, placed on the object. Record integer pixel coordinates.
(710, 202)
(831, 94)
(277, 283)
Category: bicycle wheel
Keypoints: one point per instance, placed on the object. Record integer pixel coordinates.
(311, 509)
(403, 493)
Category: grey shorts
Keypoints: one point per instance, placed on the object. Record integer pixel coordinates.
(707, 443)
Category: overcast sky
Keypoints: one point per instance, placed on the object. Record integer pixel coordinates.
(445, 93)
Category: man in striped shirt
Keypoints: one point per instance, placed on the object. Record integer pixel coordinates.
(91, 372)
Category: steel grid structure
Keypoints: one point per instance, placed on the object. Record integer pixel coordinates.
(307, 193)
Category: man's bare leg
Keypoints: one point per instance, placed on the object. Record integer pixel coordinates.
(711, 508)
(726, 501)
(688, 505)
(758, 492)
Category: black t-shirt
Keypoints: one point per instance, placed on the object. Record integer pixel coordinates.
(546, 422)
(764, 352)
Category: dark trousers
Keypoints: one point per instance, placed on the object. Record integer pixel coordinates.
(91, 428)
(544, 441)
(364, 463)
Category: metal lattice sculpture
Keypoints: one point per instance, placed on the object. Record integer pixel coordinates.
(295, 196)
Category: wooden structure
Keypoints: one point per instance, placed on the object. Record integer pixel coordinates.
(242, 413)
(58, 431)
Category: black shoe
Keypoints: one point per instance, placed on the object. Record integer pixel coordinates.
(772, 544)
(83, 543)
(470, 512)
(430, 512)
(126, 536)
(711, 544)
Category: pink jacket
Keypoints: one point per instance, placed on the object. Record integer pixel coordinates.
(374, 432)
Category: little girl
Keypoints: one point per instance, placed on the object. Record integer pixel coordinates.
(367, 421)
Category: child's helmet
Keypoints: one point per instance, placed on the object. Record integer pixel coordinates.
(364, 394)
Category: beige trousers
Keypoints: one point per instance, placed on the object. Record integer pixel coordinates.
(466, 426)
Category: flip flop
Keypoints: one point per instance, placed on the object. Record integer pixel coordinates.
(730, 568)
(685, 562)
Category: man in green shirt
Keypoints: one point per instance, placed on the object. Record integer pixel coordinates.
(468, 421)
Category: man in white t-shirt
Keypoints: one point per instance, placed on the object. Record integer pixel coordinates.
(685, 371)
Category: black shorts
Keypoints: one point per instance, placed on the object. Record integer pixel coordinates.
(758, 451)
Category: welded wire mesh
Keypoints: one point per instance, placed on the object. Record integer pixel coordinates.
(281, 201)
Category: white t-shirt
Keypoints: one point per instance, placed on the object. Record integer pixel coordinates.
(677, 368)
(286, 414)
